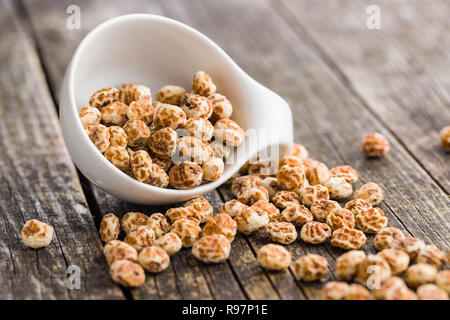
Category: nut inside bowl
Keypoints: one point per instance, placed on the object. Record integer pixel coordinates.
(155, 51)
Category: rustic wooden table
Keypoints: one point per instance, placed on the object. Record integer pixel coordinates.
(341, 79)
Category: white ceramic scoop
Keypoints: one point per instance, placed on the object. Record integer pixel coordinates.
(155, 51)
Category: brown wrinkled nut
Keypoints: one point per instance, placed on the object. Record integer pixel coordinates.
(297, 150)
(375, 145)
(213, 169)
(431, 292)
(347, 264)
(132, 220)
(244, 182)
(187, 230)
(432, 255)
(282, 232)
(274, 257)
(250, 220)
(109, 228)
(141, 165)
(272, 211)
(197, 106)
(262, 168)
(229, 132)
(220, 150)
(371, 220)
(119, 157)
(114, 114)
(137, 133)
(249, 196)
(398, 260)
(203, 84)
(89, 116)
(443, 280)
(158, 177)
(322, 208)
(341, 218)
(164, 164)
(311, 267)
(221, 107)
(391, 288)
(214, 248)
(141, 237)
(159, 223)
(371, 192)
(411, 246)
(203, 207)
(117, 137)
(174, 214)
(283, 199)
(348, 239)
(311, 194)
(271, 185)
(357, 206)
(192, 149)
(168, 116)
(315, 232)
(36, 234)
(119, 250)
(346, 172)
(154, 259)
(171, 94)
(221, 224)
(339, 188)
(163, 143)
(139, 110)
(169, 242)
(385, 238)
(309, 163)
(291, 178)
(335, 290)
(358, 292)
(420, 274)
(445, 138)
(185, 175)
(127, 273)
(318, 174)
(130, 92)
(371, 270)
(103, 97)
(200, 128)
(99, 135)
(233, 208)
(291, 161)
(296, 214)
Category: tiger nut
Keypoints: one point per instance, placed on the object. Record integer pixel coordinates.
(158, 177)
(36, 234)
(174, 214)
(315, 232)
(117, 137)
(129, 92)
(141, 237)
(318, 174)
(222, 224)
(357, 206)
(250, 220)
(127, 273)
(203, 207)
(229, 132)
(348, 239)
(431, 292)
(272, 211)
(391, 288)
(171, 94)
(335, 290)
(114, 114)
(102, 97)
(297, 150)
(271, 185)
(291, 178)
(220, 150)
(213, 169)
(154, 259)
(282, 232)
(358, 292)
(249, 196)
(163, 143)
(164, 164)
(139, 110)
(244, 182)
(371, 220)
(193, 149)
(203, 84)
(348, 173)
(283, 199)
(371, 192)
(322, 208)
(432, 255)
(119, 250)
(233, 208)
(445, 138)
(311, 267)
(420, 274)
(398, 260)
(214, 248)
(375, 145)
(291, 161)
(200, 128)
(312, 194)
(347, 264)
(339, 188)
(168, 116)
(296, 214)
(169, 242)
(185, 175)
(132, 220)
(262, 168)
(141, 165)
(188, 231)
(221, 107)
(309, 163)
(89, 115)
(159, 223)
(274, 257)
(410, 245)
(386, 237)
(372, 270)
(443, 280)
(119, 157)
(340, 218)
(197, 106)
(137, 132)
(99, 135)
(109, 228)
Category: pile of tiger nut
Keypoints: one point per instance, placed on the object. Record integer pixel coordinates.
(142, 137)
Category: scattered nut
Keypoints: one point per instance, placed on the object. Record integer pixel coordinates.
(132, 220)
(99, 135)
(159, 223)
(386, 237)
(109, 228)
(445, 138)
(358, 292)
(271, 185)
(272, 211)
(315, 232)
(127, 273)
(411, 246)
(221, 107)
(432, 255)
(117, 137)
(291, 161)
(375, 145)
(249, 196)
(391, 288)
(296, 214)
(119, 250)
(119, 157)
(103, 97)
(229, 132)
(250, 220)
(348, 173)
(185, 175)
(203, 207)
(154, 259)
(203, 84)
(141, 165)
(274, 257)
(36, 234)
(262, 168)
(357, 206)
(371, 220)
(169, 242)
(171, 94)
(443, 280)
(283, 199)
(187, 230)
(222, 224)
(373, 269)
(318, 174)
(214, 248)
(348, 239)
(168, 116)
(312, 194)
(89, 116)
(298, 151)
(311, 267)
(200, 128)
(114, 114)
(347, 264)
(244, 182)
(282, 232)
(174, 214)
(163, 143)
(335, 290)
(130, 92)
(233, 208)
(197, 106)
(371, 192)
(339, 188)
(141, 237)
(431, 292)
(340, 218)
(398, 260)
(322, 208)
(420, 274)
(137, 132)
(291, 178)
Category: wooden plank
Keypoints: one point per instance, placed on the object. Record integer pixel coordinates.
(401, 71)
(38, 180)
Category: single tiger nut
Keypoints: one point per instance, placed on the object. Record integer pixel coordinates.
(102, 97)
(222, 224)
(322, 208)
(114, 114)
(99, 135)
(315, 232)
(358, 292)
(335, 290)
(158, 177)
(385, 238)
(375, 145)
(169, 242)
(347, 264)
(296, 214)
(250, 220)
(244, 182)
(391, 288)
(185, 175)
(213, 169)
(159, 223)
(139, 110)
(249, 196)
(229, 132)
(174, 214)
(203, 84)
(371, 192)
(188, 231)
(397, 259)
(272, 211)
(311, 267)
(410, 245)
(132, 220)
(141, 237)
(318, 174)
(283, 199)
(291, 161)
(137, 132)
(200, 128)
(168, 116)
(119, 157)
(163, 143)
(119, 250)
(371, 270)
(141, 165)
(221, 107)
(297, 150)
(233, 208)
(109, 228)
(432, 255)
(192, 149)
(89, 116)
(445, 138)
(371, 220)
(431, 292)
(214, 248)
(274, 257)
(154, 259)
(311, 194)
(291, 178)
(282, 232)
(36, 234)
(129, 92)
(203, 207)
(117, 137)
(348, 173)
(309, 163)
(339, 188)
(271, 185)
(127, 273)
(341, 218)
(197, 106)
(357, 206)
(443, 280)
(420, 274)
(348, 239)
(171, 94)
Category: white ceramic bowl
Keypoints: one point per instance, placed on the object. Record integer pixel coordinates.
(155, 51)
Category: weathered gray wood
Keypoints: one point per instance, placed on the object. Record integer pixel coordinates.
(38, 180)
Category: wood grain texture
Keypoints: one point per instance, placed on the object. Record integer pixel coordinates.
(38, 180)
